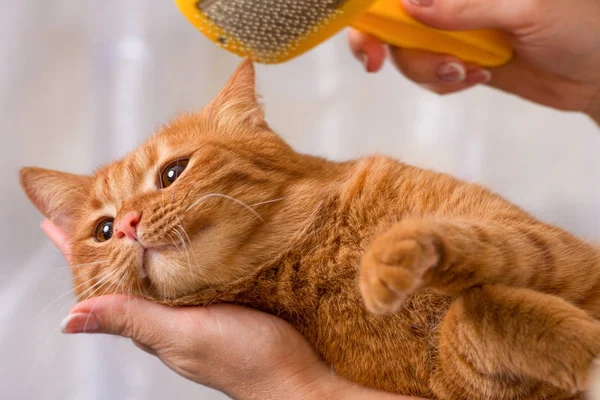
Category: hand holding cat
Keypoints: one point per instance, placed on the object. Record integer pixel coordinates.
(557, 52)
(240, 351)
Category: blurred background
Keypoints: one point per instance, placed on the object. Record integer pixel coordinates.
(82, 82)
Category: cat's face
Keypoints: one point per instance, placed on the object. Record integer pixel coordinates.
(178, 213)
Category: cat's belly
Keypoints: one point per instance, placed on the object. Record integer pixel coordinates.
(392, 353)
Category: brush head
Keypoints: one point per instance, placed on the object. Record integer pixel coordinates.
(270, 31)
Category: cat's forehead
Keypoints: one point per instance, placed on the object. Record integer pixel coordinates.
(137, 172)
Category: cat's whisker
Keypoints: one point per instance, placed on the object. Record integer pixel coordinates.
(267, 202)
(71, 253)
(119, 284)
(118, 287)
(106, 279)
(180, 226)
(185, 247)
(66, 293)
(52, 248)
(139, 288)
(87, 264)
(95, 304)
(172, 198)
(121, 279)
(129, 295)
(173, 241)
(73, 267)
(187, 195)
(55, 270)
(224, 196)
(97, 289)
(162, 201)
(63, 308)
(181, 237)
(182, 240)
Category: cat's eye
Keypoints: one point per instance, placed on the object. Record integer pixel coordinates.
(104, 230)
(171, 172)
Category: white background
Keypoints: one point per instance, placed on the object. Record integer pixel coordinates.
(82, 82)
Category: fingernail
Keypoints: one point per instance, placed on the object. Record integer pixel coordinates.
(451, 72)
(478, 76)
(422, 3)
(364, 59)
(80, 323)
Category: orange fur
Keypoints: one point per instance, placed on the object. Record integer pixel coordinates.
(402, 279)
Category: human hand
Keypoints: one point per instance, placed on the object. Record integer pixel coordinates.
(556, 43)
(242, 352)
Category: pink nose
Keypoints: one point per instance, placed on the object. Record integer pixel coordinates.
(127, 226)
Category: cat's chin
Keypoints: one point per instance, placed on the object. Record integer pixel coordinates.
(156, 271)
(151, 257)
(141, 270)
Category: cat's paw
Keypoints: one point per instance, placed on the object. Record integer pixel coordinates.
(572, 361)
(393, 268)
(578, 375)
(593, 390)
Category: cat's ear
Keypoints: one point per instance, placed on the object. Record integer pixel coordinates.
(237, 102)
(56, 194)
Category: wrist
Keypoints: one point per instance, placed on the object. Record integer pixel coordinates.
(317, 382)
(321, 382)
(313, 380)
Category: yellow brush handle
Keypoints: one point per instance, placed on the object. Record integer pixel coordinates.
(388, 21)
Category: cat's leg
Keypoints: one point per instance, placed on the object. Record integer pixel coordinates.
(453, 255)
(499, 342)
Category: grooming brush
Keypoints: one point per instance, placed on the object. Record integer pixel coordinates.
(274, 31)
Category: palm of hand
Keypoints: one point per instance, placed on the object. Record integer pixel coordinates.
(232, 341)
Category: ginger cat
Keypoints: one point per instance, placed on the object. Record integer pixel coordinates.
(402, 279)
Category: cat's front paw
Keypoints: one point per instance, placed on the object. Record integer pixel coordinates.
(393, 268)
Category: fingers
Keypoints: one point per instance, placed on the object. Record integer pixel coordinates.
(148, 324)
(471, 14)
(432, 68)
(439, 73)
(58, 237)
(367, 49)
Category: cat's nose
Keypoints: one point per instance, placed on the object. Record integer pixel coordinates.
(127, 226)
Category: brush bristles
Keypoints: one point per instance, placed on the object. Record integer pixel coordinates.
(267, 28)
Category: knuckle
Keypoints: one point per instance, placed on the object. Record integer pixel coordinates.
(406, 65)
(128, 326)
(532, 8)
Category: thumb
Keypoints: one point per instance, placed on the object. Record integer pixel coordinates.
(471, 14)
(147, 323)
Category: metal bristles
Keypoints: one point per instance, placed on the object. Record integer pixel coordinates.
(268, 28)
